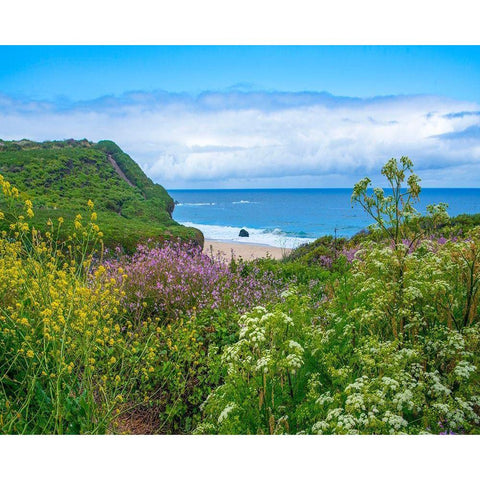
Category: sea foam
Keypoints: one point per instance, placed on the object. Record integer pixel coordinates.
(271, 237)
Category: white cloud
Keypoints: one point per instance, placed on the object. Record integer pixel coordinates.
(261, 138)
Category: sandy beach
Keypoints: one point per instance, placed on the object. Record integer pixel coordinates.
(247, 251)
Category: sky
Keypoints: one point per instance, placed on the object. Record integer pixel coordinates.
(255, 117)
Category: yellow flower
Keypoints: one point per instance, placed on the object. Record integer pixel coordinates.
(23, 321)
(30, 354)
(100, 271)
(90, 204)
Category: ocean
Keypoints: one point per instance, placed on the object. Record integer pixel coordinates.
(289, 217)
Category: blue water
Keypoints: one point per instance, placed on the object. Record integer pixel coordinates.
(289, 217)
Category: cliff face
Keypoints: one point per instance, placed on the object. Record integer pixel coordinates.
(61, 176)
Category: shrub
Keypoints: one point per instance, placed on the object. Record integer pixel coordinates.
(265, 373)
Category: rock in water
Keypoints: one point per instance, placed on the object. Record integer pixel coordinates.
(243, 233)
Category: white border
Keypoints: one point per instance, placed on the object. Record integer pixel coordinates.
(241, 457)
(247, 22)
(266, 22)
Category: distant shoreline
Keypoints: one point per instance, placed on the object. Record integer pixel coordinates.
(246, 251)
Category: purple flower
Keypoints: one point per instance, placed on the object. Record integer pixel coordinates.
(177, 279)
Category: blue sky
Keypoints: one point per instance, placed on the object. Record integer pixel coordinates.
(228, 117)
(86, 72)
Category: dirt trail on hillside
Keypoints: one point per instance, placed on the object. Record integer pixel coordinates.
(119, 170)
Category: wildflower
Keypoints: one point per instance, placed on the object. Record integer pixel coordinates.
(224, 414)
(77, 222)
(295, 346)
(464, 369)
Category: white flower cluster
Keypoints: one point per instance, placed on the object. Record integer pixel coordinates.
(355, 402)
(437, 388)
(456, 341)
(286, 319)
(204, 428)
(394, 421)
(262, 364)
(324, 399)
(224, 414)
(464, 369)
(294, 362)
(358, 384)
(403, 400)
(390, 383)
(413, 293)
(257, 335)
(289, 292)
(319, 427)
(293, 345)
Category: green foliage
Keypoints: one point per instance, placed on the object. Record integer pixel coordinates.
(265, 377)
(312, 253)
(61, 176)
(290, 271)
(394, 214)
(185, 368)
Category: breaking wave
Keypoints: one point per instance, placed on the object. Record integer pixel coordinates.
(274, 237)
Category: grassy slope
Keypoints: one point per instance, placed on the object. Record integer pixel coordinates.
(60, 177)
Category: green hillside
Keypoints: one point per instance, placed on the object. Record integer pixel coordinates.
(61, 176)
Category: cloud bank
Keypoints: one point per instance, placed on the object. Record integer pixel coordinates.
(257, 139)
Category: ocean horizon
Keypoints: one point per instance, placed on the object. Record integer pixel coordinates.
(290, 217)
